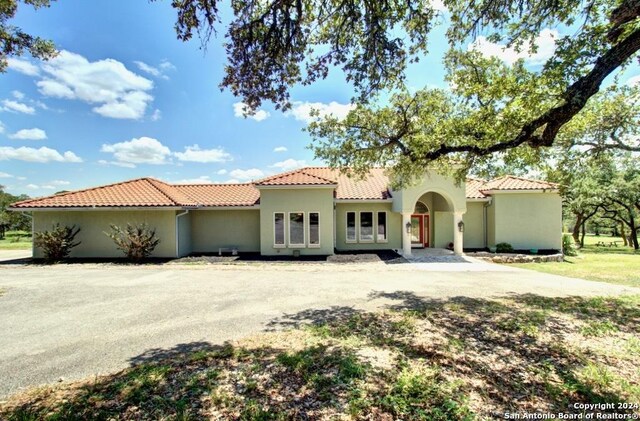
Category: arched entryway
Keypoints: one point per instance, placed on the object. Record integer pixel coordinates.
(433, 222)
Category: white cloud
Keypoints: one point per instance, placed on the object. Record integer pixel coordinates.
(118, 92)
(203, 179)
(11, 105)
(634, 80)
(239, 109)
(5, 175)
(232, 181)
(280, 149)
(17, 95)
(23, 66)
(116, 163)
(195, 154)
(157, 115)
(545, 43)
(159, 72)
(29, 134)
(221, 172)
(41, 187)
(302, 110)
(289, 164)
(438, 5)
(41, 155)
(250, 174)
(144, 150)
(2, 128)
(60, 183)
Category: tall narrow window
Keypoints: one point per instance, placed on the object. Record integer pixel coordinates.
(296, 229)
(278, 229)
(314, 229)
(366, 226)
(382, 227)
(351, 227)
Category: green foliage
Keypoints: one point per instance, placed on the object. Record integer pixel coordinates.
(136, 241)
(504, 248)
(14, 41)
(57, 243)
(568, 245)
(9, 219)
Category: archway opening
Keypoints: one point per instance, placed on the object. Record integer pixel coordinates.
(432, 222)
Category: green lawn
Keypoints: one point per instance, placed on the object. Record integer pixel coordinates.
(617, 265)
(16, 240)
(422, 359)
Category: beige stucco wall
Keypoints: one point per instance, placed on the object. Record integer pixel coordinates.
(94, 223)
(474, 225)
(296, 200)
(528, 220)
(404, 200)
(212, 229)
(442, 229)
(491, 224)
(394, 226)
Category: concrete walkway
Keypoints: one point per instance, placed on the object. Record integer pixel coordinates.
(74, 321)
(13, 255)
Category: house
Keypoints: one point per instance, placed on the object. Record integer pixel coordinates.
(313, 210)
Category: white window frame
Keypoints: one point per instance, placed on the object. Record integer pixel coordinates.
(313, 246)
(304, 233)
(373, 227)
(386, 227)
(346, 227)
(284, 228)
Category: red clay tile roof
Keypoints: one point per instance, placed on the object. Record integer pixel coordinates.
(221, 194)
(511, 182)
(149, 192)
(301, 177)
(472, 188)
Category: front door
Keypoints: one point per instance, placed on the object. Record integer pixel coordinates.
(420, 230)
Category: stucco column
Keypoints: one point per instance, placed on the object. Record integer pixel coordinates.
(406, 237)
(458, 236)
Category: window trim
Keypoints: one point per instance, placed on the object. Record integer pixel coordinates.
(346, 227)
(313, 246)
(304, 236)
(373, 234)
(284, 229)
(386, 227)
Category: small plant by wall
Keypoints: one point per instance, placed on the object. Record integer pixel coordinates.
(57, 243)
(504, 248)
(136, 241)
(569, 245)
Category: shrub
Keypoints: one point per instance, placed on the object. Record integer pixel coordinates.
(57, 243)
(504, 248)
(568, 245)
(136, 241)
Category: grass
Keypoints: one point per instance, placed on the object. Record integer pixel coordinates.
(454, 359)
(16, 240)
(616, 265)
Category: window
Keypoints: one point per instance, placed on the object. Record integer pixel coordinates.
(366, 226)
(351, 227)
(278, 228)
(314, 229)
(382, 227)
(296, 229)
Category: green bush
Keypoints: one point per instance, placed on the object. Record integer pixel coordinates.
(20, 234)
(57, 243)
(136, 241)
(504, 248)
(568, 245)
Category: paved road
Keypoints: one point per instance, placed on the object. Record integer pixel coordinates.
(73, 321)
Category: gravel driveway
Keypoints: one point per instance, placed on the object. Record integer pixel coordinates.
(74, 321)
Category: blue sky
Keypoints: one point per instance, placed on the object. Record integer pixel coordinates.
(126, 99)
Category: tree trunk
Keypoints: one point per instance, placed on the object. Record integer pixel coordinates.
(576, 228)
(624, 235)
(584, 231)
(634, 231)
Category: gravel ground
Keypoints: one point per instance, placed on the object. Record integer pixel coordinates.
(77, 320)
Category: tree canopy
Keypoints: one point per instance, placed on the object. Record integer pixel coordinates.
(14, 41)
